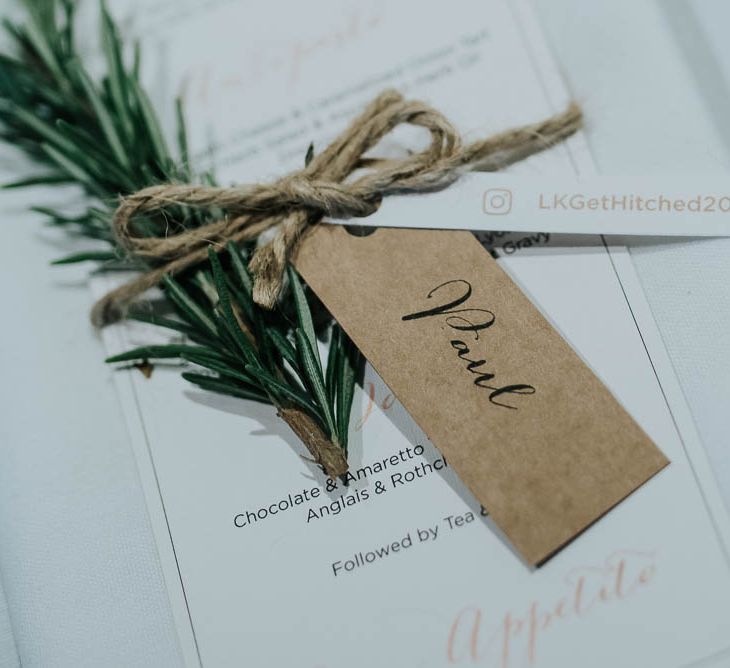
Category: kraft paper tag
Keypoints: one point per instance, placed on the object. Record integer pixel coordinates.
(532, 432)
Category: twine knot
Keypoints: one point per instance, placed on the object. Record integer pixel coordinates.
(321, 189)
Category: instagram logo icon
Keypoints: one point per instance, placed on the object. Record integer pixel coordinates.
(497, 201)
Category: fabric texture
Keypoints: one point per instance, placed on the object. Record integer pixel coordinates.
(79, 565)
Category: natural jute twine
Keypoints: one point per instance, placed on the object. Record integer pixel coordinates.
(298, 200)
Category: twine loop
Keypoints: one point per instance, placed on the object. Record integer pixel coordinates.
(321, 189)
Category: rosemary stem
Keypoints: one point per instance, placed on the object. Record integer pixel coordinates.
(328, 454)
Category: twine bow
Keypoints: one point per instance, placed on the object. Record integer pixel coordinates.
(298, 200)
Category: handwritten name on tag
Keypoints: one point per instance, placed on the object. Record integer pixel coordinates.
(529, 428)
(472, 321)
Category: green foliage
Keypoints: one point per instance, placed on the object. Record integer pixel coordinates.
(104, 136)
(253, 353)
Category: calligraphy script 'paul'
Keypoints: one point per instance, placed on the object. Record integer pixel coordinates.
(471, 321)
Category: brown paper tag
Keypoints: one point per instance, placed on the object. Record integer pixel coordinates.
(533, 433)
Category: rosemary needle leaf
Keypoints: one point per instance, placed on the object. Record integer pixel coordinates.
(310, 154)
(173, 324)
(278, 387)
(40, 180)
(112, 51)
(245, 294)
(188, 308)
(243, 301)
(137, 60)
(166, 351)
(313, 375)
(182, 139)
(73, 169)
(239, 267)
(153, 127)
(285, 348)
(105, 120)
(220, 367)
(47, 211)
(346, 377)
(304, 315)
(88, 256)
(333, 355)
(223, 387)
(34, 31)
(44, 129)
(239, 336)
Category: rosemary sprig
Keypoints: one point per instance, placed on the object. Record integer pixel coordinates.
(104, 136)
